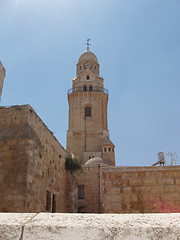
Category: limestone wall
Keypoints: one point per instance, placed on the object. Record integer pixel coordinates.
(86, 134)
(2, 76)
(89, 226)
(32, 165)
(90, 180)
(132, 189)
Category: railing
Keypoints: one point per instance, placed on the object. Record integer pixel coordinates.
(87, 89)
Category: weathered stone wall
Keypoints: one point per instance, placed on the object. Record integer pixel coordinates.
(132, 189)
(2, 76)
(90, 180)
(86, 134)
(20, 226)
(32, 163)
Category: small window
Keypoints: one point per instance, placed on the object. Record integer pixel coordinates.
(85, 88)
(87, 112)
(90, 88)
(105, 149)
(48, 201)
(80, 67)
(109, 149)
(87, 77)
(81, 192)
(54, 203)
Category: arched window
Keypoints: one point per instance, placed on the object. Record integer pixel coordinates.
(85, 88)
(87, 77)
(87, 112)
(90, 88)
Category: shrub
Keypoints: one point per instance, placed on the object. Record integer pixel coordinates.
(72, 164)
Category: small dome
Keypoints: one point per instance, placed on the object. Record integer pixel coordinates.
(95, 160)
(86, 56)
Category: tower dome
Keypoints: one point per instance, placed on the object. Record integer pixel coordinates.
(87, 56)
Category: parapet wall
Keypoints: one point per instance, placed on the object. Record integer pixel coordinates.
(89, 226)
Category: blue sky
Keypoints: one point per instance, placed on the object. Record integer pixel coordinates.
(137, 43)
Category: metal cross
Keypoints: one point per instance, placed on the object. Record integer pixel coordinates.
(88, 44)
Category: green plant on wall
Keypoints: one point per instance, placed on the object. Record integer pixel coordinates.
(72, 164)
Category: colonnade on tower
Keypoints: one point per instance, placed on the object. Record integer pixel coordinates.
(88, 135)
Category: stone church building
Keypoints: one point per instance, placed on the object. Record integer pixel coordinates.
(33, 177)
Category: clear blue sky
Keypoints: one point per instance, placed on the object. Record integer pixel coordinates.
(137, 43)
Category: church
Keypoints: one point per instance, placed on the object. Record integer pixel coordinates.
(33, 177)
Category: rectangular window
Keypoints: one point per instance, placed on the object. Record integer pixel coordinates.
(48, 201)
(54, 203)
(81, 192)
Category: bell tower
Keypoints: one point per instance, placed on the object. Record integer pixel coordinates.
(88, 100)
(2, 76)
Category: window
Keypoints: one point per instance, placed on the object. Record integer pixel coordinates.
(85, 88)
(109, 149)
(105, 149)
(81, 192)
(54, 203)
(48, 201)
(87, 112)
(90, 88)
(80, 67)
(87, 77)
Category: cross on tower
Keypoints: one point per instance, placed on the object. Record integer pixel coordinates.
(88, 44)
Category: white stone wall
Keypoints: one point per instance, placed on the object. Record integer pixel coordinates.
(49, 226)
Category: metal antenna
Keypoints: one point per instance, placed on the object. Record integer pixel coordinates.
(88, 44)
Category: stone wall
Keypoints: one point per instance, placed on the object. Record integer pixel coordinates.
(90, 180)
(32, 162)
(21, 226)
(132, 189)
(2, 76)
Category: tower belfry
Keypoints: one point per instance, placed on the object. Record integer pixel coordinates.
(88, 135)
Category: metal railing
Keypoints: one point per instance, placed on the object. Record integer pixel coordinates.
(87, 89)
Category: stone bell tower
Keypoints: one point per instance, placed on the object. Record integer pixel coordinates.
(2, 76)
(88, 135)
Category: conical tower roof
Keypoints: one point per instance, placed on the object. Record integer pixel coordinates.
(107, 142)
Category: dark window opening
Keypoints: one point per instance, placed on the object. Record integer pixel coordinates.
(87, 112)
(80, 67)
(85, 88)
(87, 77)
(109, 149)
(90, 88)
(48, 201)
(54, 203)
(105, 149)
(81, 192)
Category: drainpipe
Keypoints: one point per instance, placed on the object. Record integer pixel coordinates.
(85, 134)
(99, 187)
